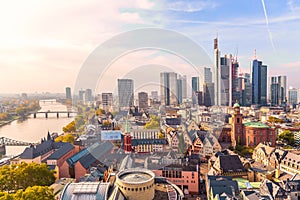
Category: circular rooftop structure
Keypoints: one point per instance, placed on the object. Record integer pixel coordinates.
(136, 184)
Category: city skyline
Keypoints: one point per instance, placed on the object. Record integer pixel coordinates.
(47, 58)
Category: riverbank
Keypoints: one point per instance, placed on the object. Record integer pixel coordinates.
(9, 121)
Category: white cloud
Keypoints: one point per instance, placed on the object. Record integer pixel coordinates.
(191, 6)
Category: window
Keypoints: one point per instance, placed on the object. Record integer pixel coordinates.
(238, 120)
(248, 140)
(136, 189)
(254, 140)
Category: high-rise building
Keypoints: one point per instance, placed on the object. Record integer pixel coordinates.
(88, 95)
(179, 90)
(195, 88)
(208, 94)
(259, 83)
(217, 73)
(293, 96)
(143, 101)
(236, 87)
(226, 80)
(184, 86)
(68, 93)
(81, 95)
(247, 90)
(107, 101)
(207, 75)
(169, 90)
(125, 93)
(154, 95)
(277, 90)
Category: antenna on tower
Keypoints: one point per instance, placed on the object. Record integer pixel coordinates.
(255, 54)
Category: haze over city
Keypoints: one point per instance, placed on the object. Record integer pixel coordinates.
(44, 44)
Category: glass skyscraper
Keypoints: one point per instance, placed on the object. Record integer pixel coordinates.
(259, 83)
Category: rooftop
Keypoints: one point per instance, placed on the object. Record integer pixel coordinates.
(256, 125)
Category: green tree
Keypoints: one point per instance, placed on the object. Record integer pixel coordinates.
(287, 136)
(14, 177)
(69, 128)
(30, 193)
(65, 138)
(154, 123)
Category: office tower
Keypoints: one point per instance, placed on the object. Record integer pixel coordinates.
(68, 93)
(277, 90)
(125, 93)
(199, 98)
(208, 94)
(107, 101)
(282, 89)
(259, 83)
(247, 90)
(179, 90)
(184, 86)
(143, 101)
(207, 75)
(236, 87)
(293, 96)
(81, 95)
(195, 88)
(217, 73)
(154, 95)
(88, 95)
(226, 80)
(168, 85)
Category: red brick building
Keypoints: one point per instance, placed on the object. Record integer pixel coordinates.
(250, 133)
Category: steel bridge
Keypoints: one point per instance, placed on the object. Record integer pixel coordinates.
(10, 142)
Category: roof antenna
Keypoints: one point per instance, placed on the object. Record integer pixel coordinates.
(255, 54)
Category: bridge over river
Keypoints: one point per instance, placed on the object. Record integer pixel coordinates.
(4, 141)
(46, 113)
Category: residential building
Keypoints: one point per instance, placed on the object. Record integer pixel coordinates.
(221, 187)
(125, 93)
(81, 162)
(186, 177)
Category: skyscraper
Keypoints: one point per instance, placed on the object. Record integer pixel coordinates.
(195, 88)
(217, 73)
(226, 80)
(169, 88)
(88, 95)
(68, 93)
(208, 94)
(184, 87)
(179, 90)
(143, 101)
(125, 93)
(81, 95)
(277, 90)
(107, 101)
(207, 75)
(293, 96)
(259, 83)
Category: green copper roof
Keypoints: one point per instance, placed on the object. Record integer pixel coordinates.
(256, 125)
(236, 105)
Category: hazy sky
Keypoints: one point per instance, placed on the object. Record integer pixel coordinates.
(43, 44)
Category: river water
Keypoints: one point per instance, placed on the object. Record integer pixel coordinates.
(33, 129)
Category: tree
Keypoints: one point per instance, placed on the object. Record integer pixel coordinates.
(30, 193)
(65, 138)
(287, 136)
(154, 123)
(69, 128)
(20, 176)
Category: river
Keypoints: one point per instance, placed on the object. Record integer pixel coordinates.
(33, 129)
